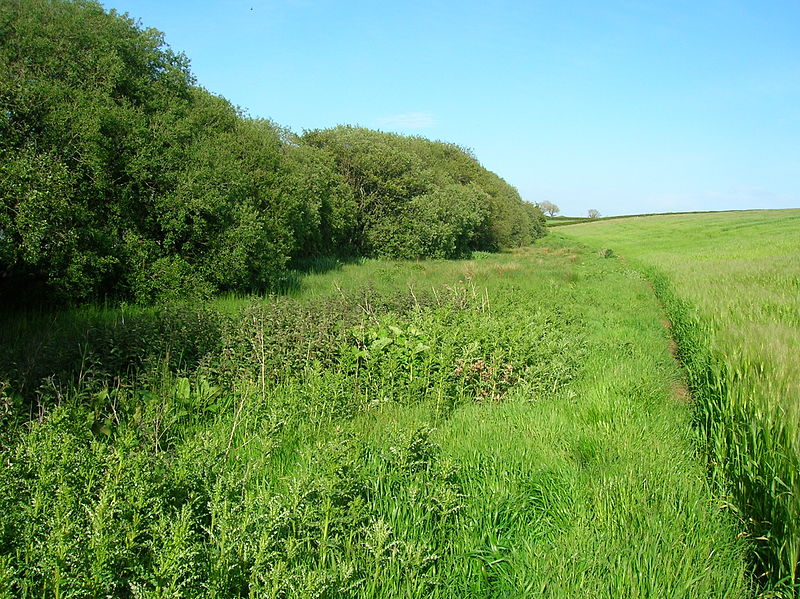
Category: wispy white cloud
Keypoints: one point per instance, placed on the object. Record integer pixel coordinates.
(409, 120)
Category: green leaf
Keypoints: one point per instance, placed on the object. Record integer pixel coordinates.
(183, 389)
(380, 344)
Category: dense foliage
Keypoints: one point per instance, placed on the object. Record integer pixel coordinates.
(420, 198)
(121, 177)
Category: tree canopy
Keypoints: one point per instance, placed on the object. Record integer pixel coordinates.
(549, 208)
(120, 177)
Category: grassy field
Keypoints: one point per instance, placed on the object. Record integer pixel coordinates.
(731, 282)
(508, 426)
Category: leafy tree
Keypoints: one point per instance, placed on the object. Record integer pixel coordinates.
(537, 220)
(223, 215)
(549, 208)
(324, 226)
(593, 213)
(78, 91)
(116, 162)
(397, 180)
(379, 169)
(440, 224)
(120, 177)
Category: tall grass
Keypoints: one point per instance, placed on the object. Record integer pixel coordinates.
(730, 284)
(499, 427)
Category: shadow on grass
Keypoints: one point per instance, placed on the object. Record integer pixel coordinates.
(302, 267)
(44, 351)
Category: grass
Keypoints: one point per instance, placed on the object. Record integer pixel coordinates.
(506, 426)
(731, 283)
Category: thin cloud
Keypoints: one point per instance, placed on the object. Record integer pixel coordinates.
(409, 120)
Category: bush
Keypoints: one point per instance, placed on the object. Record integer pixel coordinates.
(121, 179)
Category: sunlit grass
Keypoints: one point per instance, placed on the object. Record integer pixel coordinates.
(732, 288)
(510, 431)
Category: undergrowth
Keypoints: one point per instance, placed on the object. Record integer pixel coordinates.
(500, 427)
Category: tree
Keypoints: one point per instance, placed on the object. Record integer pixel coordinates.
(121, 178)
(594, 213)
(441, 224)
(412, 196)
(549, 208)
(537, 220)
(83, 94)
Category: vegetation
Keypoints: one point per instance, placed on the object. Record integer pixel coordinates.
(730, 284)
(123, 179)
(558, 221)
(549, 208)
(512, 424)
(416, 198)
(503, 426)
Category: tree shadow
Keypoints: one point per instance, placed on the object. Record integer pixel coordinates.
(302, 267)
(43, 351)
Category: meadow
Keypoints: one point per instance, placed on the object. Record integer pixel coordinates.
(730, 283)
(512, 425)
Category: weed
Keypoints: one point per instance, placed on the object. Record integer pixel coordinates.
(329, 443)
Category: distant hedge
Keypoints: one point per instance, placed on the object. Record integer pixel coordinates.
(121, 178)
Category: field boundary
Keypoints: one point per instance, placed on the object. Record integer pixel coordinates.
(562, 221)
(754, 484)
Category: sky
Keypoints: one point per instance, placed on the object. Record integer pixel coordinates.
(623, 106)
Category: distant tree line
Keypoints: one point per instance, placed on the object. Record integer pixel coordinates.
(120, 177)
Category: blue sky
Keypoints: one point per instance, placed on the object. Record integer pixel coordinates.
(623, 106)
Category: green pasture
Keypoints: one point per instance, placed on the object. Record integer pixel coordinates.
(508, 426)
(731, 282)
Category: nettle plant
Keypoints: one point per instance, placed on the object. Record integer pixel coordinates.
(397, 359)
